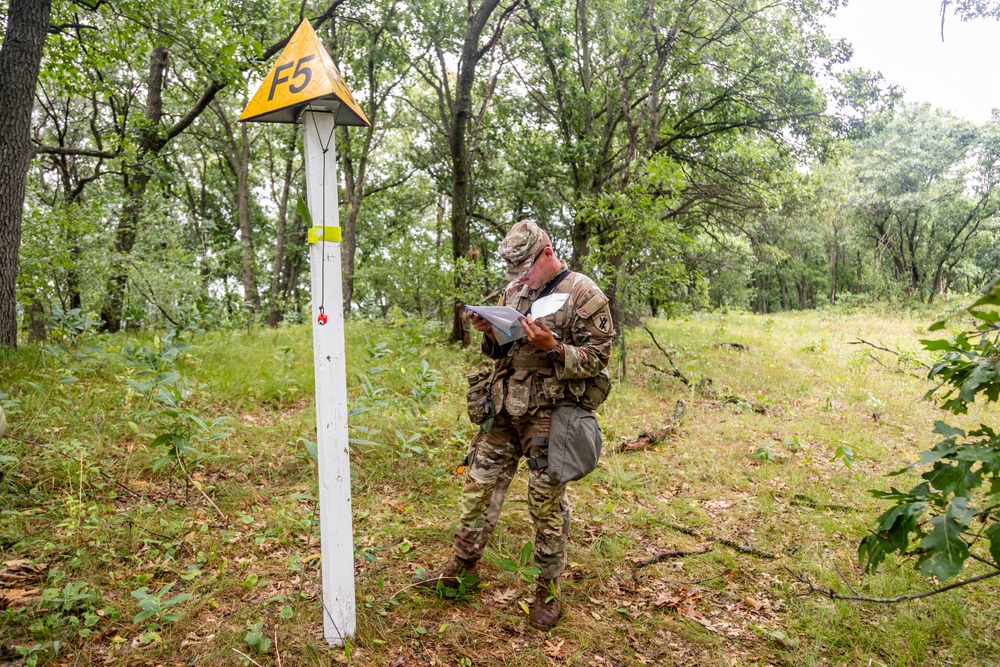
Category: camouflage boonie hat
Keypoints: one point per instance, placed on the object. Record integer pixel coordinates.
(521, 246)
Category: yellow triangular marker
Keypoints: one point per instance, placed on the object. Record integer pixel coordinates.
(304, 75)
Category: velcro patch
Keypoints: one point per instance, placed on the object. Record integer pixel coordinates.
(594, 304)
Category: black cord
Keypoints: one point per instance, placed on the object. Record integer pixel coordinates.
(322, 267)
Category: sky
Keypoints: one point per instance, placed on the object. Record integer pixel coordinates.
(902, 39)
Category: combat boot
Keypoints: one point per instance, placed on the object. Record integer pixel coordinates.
(546, 609)
(448, 574)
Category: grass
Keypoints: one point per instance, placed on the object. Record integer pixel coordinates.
(800, 391)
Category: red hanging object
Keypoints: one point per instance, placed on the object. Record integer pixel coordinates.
(322, 319)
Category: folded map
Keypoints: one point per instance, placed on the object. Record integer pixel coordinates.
(505, 320)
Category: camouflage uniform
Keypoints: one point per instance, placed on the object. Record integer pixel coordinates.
(529, 383)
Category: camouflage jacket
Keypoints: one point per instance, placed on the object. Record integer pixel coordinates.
(527, 377)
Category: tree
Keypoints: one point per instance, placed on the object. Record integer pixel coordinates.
(20, 61)
(379, 67)
(186, 67)
(454, 114)
(967, 10)
(926, 187)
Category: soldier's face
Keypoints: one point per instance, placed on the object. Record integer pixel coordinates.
(538, 274)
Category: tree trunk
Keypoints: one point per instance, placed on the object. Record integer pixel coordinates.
(460, 163)
(20, 61)
(135, 184)
(35, 314)
(354, 192)
(250, 293)
(833, 273)
(274, 316)
(125, 235)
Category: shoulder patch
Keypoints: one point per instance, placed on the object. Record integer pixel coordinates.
(603, 321)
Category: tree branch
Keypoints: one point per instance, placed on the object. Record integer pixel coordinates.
(664, 555)
(833, 595)
(69, 150)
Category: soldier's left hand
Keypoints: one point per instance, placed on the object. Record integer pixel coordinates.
(539, 335)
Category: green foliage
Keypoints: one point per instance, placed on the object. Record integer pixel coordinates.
(156, 606)
(763, 453)
(164, 402)
(521, 566)
(845, 453)
(962, 486)
(256, 638)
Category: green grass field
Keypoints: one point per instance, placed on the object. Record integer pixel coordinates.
(102, 525)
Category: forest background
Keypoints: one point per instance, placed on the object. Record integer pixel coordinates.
(687, 154)
(698, 158)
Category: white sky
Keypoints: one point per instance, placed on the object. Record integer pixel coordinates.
(902, 39)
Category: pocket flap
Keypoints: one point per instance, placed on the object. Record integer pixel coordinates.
(593, 304)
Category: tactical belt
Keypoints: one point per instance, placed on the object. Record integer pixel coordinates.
(532, 361)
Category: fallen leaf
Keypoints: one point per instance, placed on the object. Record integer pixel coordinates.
(554, 649)
(502, 597)
(18, 597)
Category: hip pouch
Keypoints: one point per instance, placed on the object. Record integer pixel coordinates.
(478, 396)
(596, 391)
(575, 441)
(518, 399)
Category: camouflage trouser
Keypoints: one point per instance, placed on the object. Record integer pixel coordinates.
(493, 466)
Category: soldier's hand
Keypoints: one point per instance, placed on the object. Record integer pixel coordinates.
(481, 324)
(539, 335)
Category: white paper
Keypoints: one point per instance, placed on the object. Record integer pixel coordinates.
(505, 320)
(548, 305)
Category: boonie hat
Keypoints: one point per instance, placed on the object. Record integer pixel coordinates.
(521, 246)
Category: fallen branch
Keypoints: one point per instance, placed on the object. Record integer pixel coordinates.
(647, 439)
(833, 595)
(201, 490)
(806, 501)
(862, 341)
(737, 400)
(877, 360)
(736, 346)
(714, 538)
(247, 657)
(665, 555)
(674, 371)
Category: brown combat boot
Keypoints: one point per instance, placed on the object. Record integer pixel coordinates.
(447, 574)
(546, 609)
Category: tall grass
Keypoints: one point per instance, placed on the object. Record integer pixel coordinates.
(799, 392)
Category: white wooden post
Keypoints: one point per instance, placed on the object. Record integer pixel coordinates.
(337, 536)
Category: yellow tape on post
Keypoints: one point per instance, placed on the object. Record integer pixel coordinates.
(316, 234)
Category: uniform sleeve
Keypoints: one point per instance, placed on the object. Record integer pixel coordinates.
(591, 334)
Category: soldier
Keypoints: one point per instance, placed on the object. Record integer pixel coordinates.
(560, 362)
